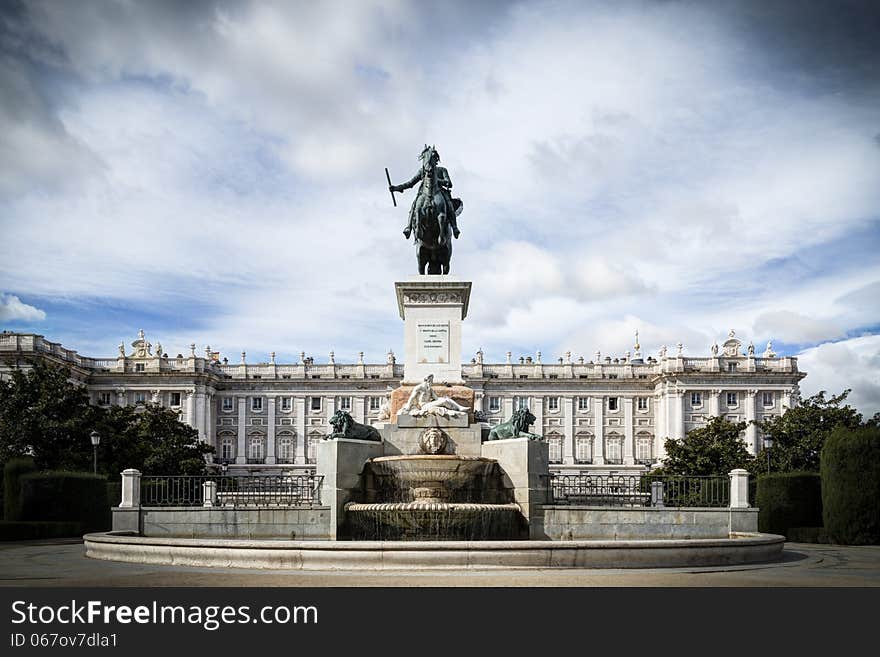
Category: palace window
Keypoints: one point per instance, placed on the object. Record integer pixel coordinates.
(256, 403)
(312, 448)
(315, 403)
(614, 449)
(494, 404)
(524, 376)
(139, 367)
(104, 398)
(642, 403)
(227, 448)
(612, 376)
(227, 404)
(345, 403)
(256, 449)
(612, 403)
(375, 403)
(285, 448)
(554, 441)
(583, 448)
(286, 403)
(767, 398)
(696, 399)
(644, 448)
(140, 398)
(583, 403)
(553, 376)
(732, 399)
(552, 404)
(285, 376)
(374, 376)
(731, 367)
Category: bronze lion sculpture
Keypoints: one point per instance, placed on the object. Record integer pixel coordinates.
(344, 426)
(516, 427)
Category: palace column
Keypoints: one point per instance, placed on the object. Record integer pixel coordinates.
(628, 431)
(599, 430)
(241, 451)
(679, 415)
(191, 407)
(270, 430)
(750, 417)
(714, 402)
(660, 432)
(200, 414)
(300, 410)
(568, 429)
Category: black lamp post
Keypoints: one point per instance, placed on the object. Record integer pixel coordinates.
(96, 440)
(768, 443)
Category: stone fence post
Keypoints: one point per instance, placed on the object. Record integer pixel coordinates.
(126, 517)
(739, 489)
(131, 489)
(657, 493)
(209, 493)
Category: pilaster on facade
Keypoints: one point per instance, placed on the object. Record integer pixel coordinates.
(270, 430)
(628, 433)
(568, 452)
(714, 402)
(299, 404)
(241, 450)
(599, 433)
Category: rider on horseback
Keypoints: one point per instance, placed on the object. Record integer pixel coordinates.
(434, 190)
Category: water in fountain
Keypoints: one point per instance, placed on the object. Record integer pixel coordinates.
(434, 497)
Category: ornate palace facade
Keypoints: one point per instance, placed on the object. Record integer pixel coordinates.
(606, 415)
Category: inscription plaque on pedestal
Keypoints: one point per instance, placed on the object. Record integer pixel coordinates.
(433, 342)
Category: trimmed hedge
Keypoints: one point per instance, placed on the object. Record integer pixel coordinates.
(789, 499)
(114, 493)
(12, 473)
(850, 464)
(20, 530)
(78, 496)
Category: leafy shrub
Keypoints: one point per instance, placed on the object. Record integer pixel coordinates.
(75, 496)
(789, 499)
(850, 467)
(12, 472)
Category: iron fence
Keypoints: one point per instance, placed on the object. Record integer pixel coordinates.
(639, 490)
(233, 491)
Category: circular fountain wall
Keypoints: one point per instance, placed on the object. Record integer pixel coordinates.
(430, 497)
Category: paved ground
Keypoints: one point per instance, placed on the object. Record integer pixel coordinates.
(61, 563)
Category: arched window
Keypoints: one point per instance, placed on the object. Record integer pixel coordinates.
(285, 447)
(226, 444)
(256, 450)
(554, 440)
(644, 447)
(583, 448)
(614, 449)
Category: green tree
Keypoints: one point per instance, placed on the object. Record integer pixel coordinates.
(800, 433)
(45, 415)
(151, 439)
(714, 449)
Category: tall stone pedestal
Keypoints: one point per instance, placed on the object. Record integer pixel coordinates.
(526, 465)
(432, 309)
(341, 462)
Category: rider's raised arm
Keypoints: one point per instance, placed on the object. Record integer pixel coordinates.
(411, 183)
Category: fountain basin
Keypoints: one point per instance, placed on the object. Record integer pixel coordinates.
(739, 548)
(433, 478)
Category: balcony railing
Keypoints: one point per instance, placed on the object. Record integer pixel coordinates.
(233, 491)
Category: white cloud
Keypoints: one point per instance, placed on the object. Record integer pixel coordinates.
(14, 309)
(836, 366)
(622, 168)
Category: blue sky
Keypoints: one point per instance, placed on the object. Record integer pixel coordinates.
(212, 172)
